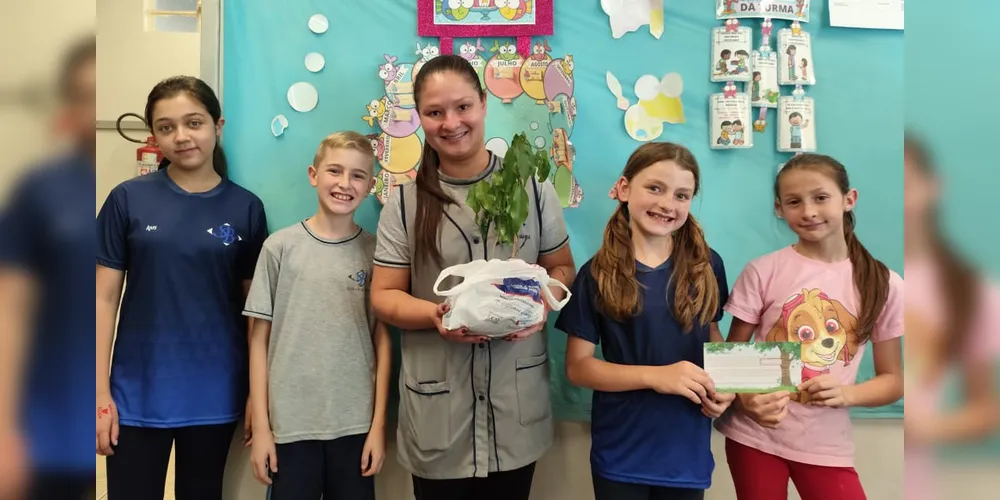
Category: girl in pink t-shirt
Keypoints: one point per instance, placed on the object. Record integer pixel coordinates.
(953, 316)
(829, 294)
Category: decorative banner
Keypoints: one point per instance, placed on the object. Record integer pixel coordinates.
(425, 53)
(474, 54)
(792, 10)
(398, 80)
(503, 72)
(398, 155)
(627, 16)
(533, 71)
(659, 102)
(395, 122)
(449, 19)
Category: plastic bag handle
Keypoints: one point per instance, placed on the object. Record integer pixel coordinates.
(459, 270)
(554, 304)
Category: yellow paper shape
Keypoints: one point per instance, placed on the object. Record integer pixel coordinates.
(668, 109)
(656, 18)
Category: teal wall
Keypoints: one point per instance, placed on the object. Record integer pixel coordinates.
(858, 96)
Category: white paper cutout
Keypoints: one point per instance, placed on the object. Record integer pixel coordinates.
(627, 16)
(616, 90)
(302, 96)
(659, 101)
(315, 62)
(498, 145)
(278, 125)
(731, 120)
(318, 24)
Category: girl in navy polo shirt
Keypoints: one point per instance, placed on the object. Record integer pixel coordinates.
(185, 239)
(651, 297)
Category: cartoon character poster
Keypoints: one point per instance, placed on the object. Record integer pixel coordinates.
(791, 10)
(731, 48)
(796, 124)
(763, 85)
(730, 121)
(825, 329)
(795, 52)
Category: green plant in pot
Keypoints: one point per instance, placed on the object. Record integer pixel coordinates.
(501, 201)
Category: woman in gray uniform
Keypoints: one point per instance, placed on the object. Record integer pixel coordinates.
(474, 415)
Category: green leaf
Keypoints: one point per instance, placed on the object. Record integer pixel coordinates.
(544, 167)
(519, 209)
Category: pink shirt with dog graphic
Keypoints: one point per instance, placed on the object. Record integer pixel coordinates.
(794, 298)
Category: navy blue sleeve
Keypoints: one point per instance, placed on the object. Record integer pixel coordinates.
(17, 239)
(579, 317)
(720, 276)
(112, 231)
(258, 233)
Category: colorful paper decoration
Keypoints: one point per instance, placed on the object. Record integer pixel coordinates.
(450, 19)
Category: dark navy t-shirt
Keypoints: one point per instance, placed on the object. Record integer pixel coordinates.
(180, 357)
(46, 230)
(642, 436)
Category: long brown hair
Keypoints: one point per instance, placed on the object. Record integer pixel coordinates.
(871, 276)
(431, 199)
(959, 280)
(696, 290)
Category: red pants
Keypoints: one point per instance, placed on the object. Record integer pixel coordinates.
(762, 476)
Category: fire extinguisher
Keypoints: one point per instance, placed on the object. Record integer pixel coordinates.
(148, 157)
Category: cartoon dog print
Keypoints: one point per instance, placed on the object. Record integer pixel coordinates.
(825, 329)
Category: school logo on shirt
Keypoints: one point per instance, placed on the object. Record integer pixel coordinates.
(823, 327)
(226, 233)
(359, 279)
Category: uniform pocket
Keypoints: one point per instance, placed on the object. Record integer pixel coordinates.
(428, 410)
(532, 379)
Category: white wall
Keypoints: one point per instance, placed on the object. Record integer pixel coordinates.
(564, 472)
(130, 61)
(32, 42)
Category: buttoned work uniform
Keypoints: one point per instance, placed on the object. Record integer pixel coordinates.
(467, 410)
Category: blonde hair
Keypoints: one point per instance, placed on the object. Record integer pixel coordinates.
(696, 290)
(345, 139)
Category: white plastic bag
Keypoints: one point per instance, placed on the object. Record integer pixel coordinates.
(498, 297)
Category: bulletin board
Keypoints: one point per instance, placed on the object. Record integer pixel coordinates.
(858, 100)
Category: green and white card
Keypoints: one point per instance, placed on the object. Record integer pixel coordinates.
(757, 367)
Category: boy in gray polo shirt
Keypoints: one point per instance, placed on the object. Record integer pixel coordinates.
(319, 360)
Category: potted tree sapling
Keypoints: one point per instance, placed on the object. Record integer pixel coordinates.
(499, 296)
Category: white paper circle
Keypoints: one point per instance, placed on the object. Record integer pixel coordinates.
(539, 142)
(672, 85)
(318, 24)
(315, 62)
(646, 87)
(498, 145)
(278, 125)
(533, 125)
(302, 97)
